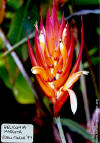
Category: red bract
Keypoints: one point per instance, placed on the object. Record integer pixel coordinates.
(54, 53)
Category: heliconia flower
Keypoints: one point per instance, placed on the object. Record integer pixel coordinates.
(52, 64)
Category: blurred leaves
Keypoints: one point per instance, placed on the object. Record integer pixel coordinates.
(9, 71)
(12, 77)
(74, 126)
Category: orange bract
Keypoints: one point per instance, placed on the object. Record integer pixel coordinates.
(54, 53)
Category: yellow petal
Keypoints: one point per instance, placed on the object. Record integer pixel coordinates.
(42, 42)
(73, 100)
(73, 78)
(63, 52)
(40, 71)
(64, 34)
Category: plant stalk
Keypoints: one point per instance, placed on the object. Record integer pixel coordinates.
(58, 122)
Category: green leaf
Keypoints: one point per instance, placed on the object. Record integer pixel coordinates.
(16, 27)
(74, 126)
(15, 31)
(12, 69)
(5, 76)
(2, 62)
(23, 91)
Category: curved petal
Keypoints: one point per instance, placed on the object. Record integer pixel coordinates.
(32, 57)
(41, 28)
(49, 33)
(40, 71)
(69, 54)
(39, 54)
(48, 24)
(52, 29)
(66, 37)
(43, 44)
(42, 36)
(55, 23)
(73, 100)
(73, 78)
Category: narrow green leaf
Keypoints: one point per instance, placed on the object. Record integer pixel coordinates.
(74, 126)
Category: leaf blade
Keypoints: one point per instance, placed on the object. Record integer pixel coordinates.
(74, 126)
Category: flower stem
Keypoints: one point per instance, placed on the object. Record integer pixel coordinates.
(58, 122)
